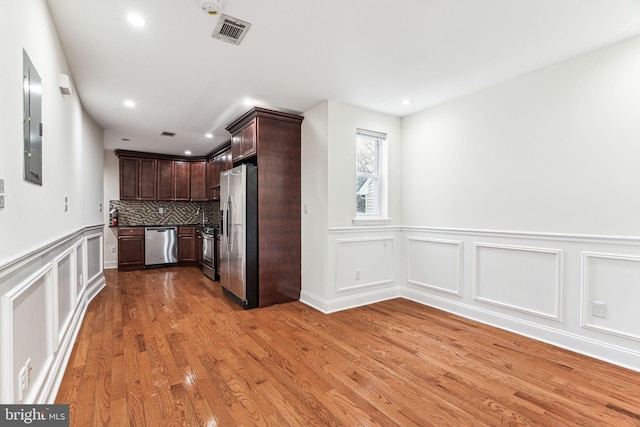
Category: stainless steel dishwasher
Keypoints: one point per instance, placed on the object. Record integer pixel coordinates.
(160, 246)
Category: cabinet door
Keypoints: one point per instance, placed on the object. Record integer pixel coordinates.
(128, 178)
(131, 251)
(147, 188)
(186, 244)
(236, 145)
(198, 181)
(249, 139)
(210, 178)
(182, 186)
(166, 180)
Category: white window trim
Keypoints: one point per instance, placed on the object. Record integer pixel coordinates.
(381, 217)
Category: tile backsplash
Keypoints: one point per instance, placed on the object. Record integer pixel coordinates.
(132, 212)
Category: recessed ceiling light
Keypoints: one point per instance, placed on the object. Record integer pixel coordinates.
(136, 20)
(129, 103)
(208, 135)
(406, 102)
(187, 152)
(247, 101)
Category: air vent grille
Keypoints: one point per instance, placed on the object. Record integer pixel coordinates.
(230, 30)
(165, 133)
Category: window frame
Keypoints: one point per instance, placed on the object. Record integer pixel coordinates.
(378, 177)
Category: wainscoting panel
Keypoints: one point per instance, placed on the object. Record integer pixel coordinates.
(364, 262)
(64, 293)
(44, 294)
(435, 264)
(612, 279)
(27, 312)
(525, 279)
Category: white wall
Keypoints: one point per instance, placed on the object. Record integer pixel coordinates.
(332, 248)
(553, 151)
(111, 192)
(343, 120)
(72, 143)
(51, 260)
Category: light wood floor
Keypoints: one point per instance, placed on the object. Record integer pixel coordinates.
(166, 347)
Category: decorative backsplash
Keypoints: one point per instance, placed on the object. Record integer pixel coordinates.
(132, 212)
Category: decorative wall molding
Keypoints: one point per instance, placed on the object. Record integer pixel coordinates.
(561, 273)
(630, 290)
(530, 235)
(377, 268)
(51, 286)
(530, 288)
(455, 270)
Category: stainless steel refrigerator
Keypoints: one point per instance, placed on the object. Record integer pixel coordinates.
(239, 234)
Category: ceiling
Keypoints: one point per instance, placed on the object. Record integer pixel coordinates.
(298, 53)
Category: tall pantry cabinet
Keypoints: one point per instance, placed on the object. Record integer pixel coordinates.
(271, 141)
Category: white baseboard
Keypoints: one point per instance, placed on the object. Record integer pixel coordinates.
(344, 303)
(589, 347)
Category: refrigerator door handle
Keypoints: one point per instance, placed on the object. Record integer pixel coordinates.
(229, 228)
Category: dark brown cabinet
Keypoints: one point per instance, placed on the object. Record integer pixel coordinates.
(145, 176)
(220, 163)
(244, 141)
(276, 153)
(182, 181)
(130, 248)
(187, 254)
(198, 181)
(165, 180)
(137, 179)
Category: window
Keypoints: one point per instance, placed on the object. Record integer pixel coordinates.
(369, 173)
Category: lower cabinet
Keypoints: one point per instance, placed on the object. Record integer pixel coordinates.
(131, 248)
(187, 246)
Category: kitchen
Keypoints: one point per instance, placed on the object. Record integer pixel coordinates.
(180, 213)
(508, 201)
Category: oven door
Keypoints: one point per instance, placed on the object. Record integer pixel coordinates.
(208, 255)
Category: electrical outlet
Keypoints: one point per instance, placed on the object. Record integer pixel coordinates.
(357, 274)
(113, 249)
(22, 383)
(161, 210)
(24, 379)
(598, 308)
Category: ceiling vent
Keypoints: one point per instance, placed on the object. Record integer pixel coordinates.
(230, 30)
(165, 133)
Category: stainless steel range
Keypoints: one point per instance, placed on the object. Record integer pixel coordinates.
(209, 252)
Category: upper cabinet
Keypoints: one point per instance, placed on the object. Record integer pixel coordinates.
(148, 178)
(198, 181)
(218, 164)
(138, 179)
(166, 180)
(182, 181)
(243, 141)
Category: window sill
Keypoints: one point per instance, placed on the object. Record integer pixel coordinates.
(371, 221)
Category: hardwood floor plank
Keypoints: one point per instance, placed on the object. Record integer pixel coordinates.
(166, 347)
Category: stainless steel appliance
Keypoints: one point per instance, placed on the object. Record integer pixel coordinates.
(160, 246)
(209, 252)
(239, 234)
